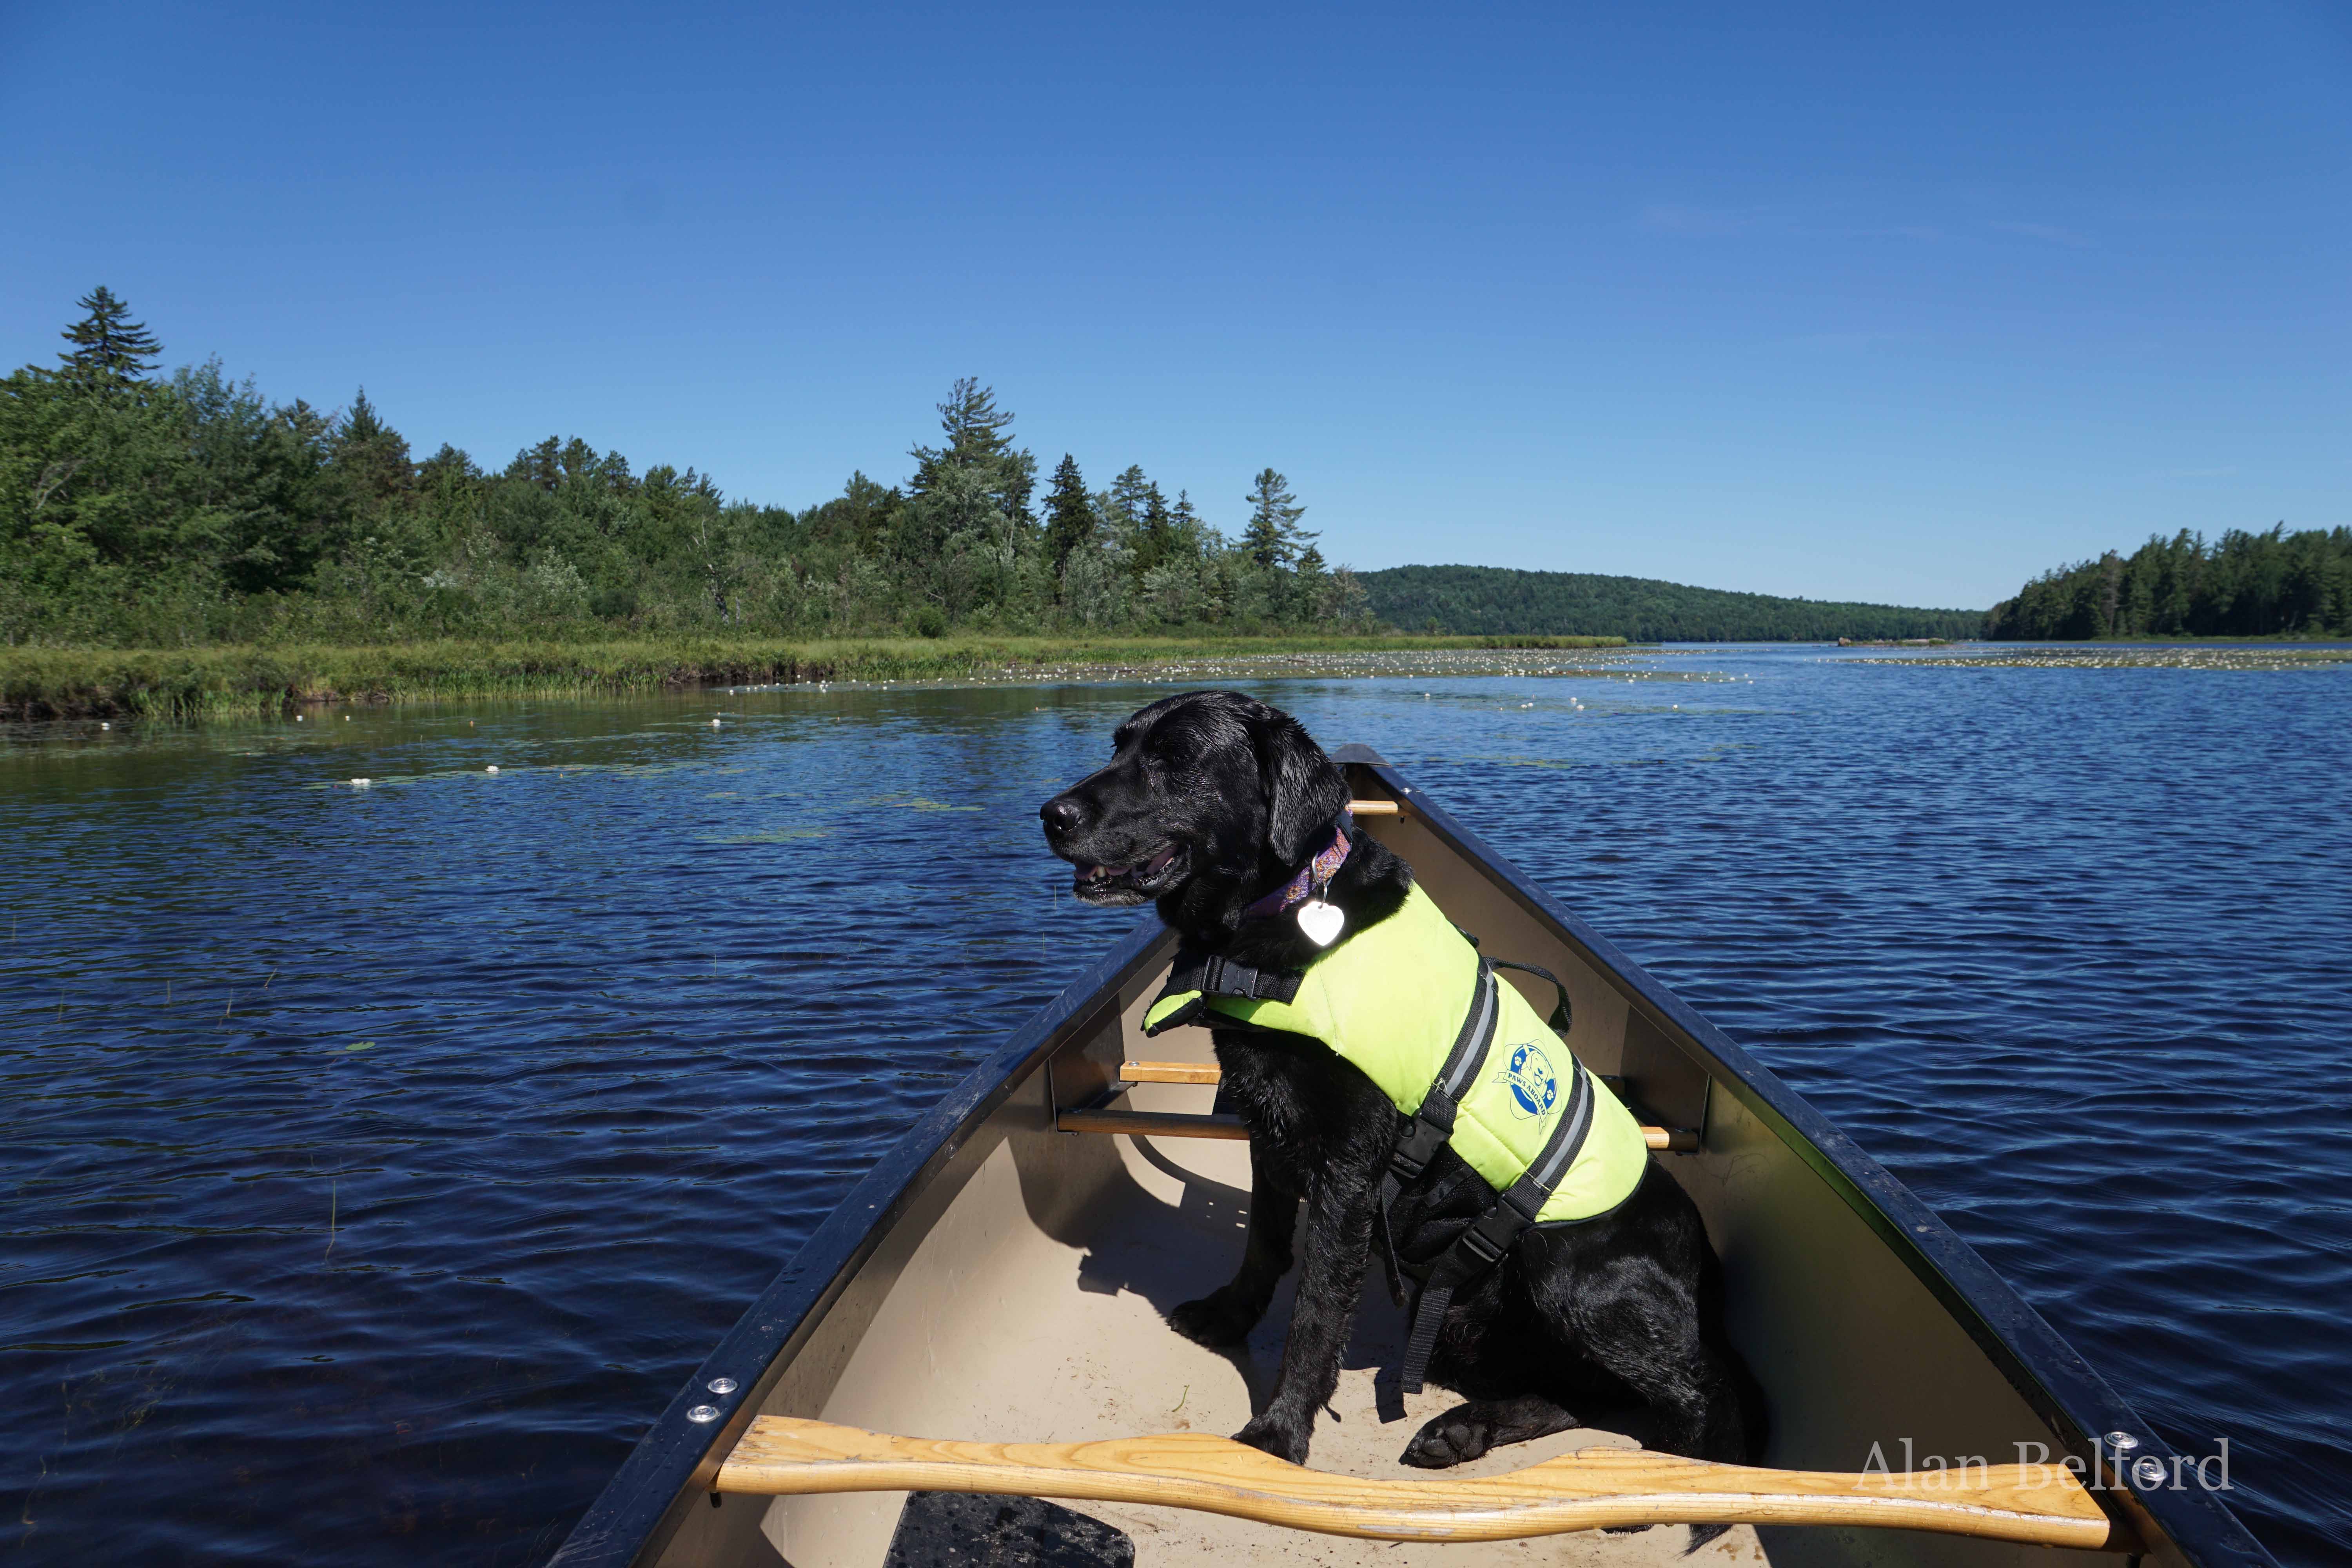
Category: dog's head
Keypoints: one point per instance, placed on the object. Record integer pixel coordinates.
(1210, 799)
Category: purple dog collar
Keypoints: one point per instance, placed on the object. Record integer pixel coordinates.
(1312, 878)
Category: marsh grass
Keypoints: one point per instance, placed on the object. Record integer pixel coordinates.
(251, 681)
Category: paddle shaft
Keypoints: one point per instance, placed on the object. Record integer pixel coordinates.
(2041, 1504)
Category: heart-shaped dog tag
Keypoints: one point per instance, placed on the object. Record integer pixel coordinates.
(1321, 921)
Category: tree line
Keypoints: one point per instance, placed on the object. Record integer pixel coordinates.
(2244, 583)
(139, 509)
(1502, 600)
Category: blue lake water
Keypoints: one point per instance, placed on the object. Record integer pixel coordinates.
(377, 1160)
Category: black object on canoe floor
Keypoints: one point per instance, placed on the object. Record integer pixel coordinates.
(977, 1530)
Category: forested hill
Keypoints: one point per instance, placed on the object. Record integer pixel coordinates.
(1499, 599)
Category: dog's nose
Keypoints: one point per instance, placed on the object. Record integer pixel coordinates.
(1062, 815)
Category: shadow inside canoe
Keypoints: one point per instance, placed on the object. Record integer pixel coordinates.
(1170, 1254)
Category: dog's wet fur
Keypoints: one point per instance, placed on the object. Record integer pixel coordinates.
(1211, 800)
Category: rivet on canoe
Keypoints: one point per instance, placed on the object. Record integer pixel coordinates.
(2122, 1442)
(703, 1413)
(2150, 1471)
(721, 1386)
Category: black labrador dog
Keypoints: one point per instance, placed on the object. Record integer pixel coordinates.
(1212, 799)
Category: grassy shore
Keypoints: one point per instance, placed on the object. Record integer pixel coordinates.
(228, 682)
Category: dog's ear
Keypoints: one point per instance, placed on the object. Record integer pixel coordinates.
(1304, 788)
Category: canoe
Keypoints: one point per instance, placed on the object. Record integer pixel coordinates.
(968, 1362)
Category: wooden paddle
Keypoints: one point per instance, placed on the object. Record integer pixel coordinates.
(2042, 1504)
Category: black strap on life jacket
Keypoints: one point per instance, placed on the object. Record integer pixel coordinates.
(1214, 974)
(1433, 1123)
(1495, 1232)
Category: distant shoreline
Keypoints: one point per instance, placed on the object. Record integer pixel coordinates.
(2152, 640)
(247, 681)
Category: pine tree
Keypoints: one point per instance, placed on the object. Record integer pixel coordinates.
(1130, 497)
(975, 429)
(537, 464)
(1154, 532)
(1069, 512)
(372, 453)
(110, 350)
(1272, 536)
(1016, 481)
(447, 469)
(1184, 524)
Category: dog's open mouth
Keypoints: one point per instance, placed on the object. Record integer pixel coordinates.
(1147, 878)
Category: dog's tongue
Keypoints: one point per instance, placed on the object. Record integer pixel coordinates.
(1160, 860)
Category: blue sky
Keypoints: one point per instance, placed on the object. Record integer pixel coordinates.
(1849, 301)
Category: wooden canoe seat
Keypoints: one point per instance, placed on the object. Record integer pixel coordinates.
(1170, 1124)
(1171, 1072)
(2041, 1504)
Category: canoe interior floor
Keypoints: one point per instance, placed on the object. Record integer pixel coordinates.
(1053, 1341)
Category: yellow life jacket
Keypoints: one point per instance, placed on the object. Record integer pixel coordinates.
(1407, 999)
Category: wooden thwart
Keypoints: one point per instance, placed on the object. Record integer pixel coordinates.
(1172, 1125)
(1152, 1123)
(2042, 1504)
(1171, 1072)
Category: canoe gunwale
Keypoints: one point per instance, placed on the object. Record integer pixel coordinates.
(674, 1463)
(2047, 1372)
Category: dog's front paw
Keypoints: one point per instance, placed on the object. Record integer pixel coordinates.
(1274, 1435)
(1216, 1320)
(1444, 1441)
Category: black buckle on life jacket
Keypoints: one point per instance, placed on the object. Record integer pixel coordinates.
(1432, 1126)
(1215, 974)
(1221, 976)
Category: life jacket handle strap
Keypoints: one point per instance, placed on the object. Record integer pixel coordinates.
(1560, 1011)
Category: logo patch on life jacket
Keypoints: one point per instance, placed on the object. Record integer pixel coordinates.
(1535, 1087)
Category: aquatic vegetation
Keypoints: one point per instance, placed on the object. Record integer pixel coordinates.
(2101, 656)
(223, 682)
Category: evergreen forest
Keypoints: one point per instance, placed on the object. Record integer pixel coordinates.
(2246, 584)
(187, 509)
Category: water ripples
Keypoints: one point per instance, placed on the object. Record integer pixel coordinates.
(379, 1160)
